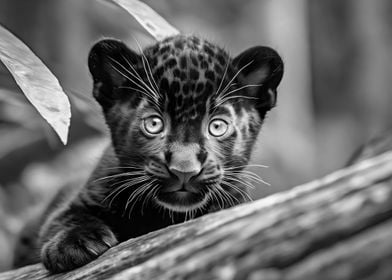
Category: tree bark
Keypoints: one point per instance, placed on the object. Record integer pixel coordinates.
(337, 227)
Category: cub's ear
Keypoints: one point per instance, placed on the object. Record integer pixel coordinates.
(262, 70)
(110, 63)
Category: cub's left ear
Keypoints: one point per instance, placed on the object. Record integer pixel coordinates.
(263, 68)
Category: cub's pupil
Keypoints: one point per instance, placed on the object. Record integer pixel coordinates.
(154, 123)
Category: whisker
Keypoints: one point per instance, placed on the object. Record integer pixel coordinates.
(244, 194)
(238, 89)
(124, 167)
(250, 180)
(145, 192)
(119, 175)
(235, 179)
(250, 176)
(223, 77)
(135, 89)
(219, 103)
(228, 197)
(150, 195)
(132, 75)
(135, 196)
(246, 165)
(233, 78)
(126, 184)
(146, 90)
(137, 76)
(123, 187)
(149, 66)
(215, 197)
(149, 73)
(151, 86)
(245, 173)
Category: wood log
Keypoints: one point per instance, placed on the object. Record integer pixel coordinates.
(337, 227)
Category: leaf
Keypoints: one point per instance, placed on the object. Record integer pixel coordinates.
(156, 25)
(36, 81)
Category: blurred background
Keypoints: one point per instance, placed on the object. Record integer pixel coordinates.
(335, 94)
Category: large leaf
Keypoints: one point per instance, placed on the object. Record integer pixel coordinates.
(39, 85)
(156, 25)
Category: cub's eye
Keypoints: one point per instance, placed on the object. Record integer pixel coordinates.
(218, 127)
(153, 125)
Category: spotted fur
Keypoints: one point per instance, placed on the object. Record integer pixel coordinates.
(183, 117)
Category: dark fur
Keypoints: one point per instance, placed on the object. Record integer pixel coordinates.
(186, 163)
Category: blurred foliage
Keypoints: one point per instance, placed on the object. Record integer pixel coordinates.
(335, 93)
(36, 81)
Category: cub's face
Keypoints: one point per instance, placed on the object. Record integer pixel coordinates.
(184, 116)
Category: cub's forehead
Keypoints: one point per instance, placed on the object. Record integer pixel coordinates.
(188, 71)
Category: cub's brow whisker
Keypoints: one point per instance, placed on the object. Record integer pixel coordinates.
(149, 75)
(240, 88)
(220, 85)
(154, 103)
(141, 90)
(134, 89)
(233, 78)
(224, 76)
(136, 75)
(222, 96)
(234, 97)
(142, 85)
(144, 88)
(151, 86)
(149, 66)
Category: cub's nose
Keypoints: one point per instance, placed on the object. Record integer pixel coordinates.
(185, 177)
(184, 163)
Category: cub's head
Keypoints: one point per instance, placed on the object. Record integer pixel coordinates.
(184, 116)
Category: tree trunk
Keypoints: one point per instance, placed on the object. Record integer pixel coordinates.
(338, 227)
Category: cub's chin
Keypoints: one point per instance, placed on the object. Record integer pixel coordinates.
(182, 200)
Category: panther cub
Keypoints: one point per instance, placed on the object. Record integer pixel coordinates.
(183, 117)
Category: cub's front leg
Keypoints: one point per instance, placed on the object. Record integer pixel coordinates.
(73, 237)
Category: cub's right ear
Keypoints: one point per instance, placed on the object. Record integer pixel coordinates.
(110, 62)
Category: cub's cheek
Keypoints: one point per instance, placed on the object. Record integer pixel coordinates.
(149, 146)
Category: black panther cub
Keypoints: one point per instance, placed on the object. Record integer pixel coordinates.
(183, 117)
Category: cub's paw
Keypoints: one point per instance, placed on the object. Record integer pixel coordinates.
(73, 247)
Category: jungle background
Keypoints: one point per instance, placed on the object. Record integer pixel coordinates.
(335, 94)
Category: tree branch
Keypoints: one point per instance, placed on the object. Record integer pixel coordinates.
(338, 227)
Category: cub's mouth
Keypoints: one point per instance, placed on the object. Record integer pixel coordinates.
(184, 191)
(183, 198)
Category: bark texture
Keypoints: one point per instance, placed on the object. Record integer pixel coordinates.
(337, 227)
